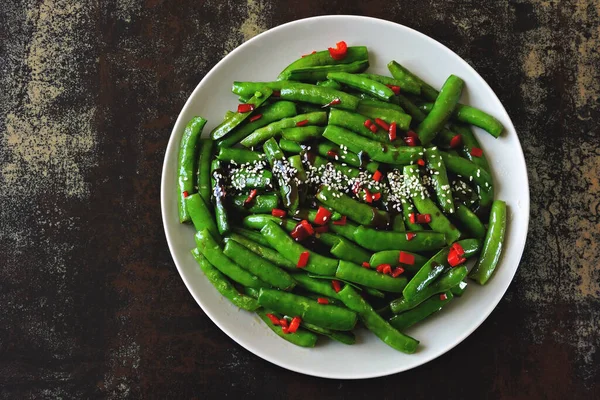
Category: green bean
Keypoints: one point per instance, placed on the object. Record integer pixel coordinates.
(382, 152)
(369, 277)
(188, 149)
(287, 185)
(439, 179)
(392, 257)
(356, 123)
(324, 315)
(420, 312)
(263, 203)
(319, 95)
(388, 115)
(348, 251)
(239, 156)
(229, 124)
(330, 84)
(445, 282)
(300, 338)
(265, 251)
(469, 222)
(375, 323)
(274, 128)
(362, 84)
(425, 205)
(251, 235)
(399, 72)
(406, 85)
(356, 211)
(353, 54)
(243, 179)
(291, 250)
(270, 113)
(213, 253)
(492, 245)
(218, 188)
(469, 141)
(319, 286)
(201, 215)
(321, 72)
(342, 337)
(223, 286)
(302, 133)
(203, 174)
(379, 104)
(466, 168)
(376, 240)
(258, 266)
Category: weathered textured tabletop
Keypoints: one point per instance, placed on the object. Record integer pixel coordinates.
(91, 303)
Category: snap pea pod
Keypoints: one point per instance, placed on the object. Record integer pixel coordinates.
(330, 84)
(258, 266)
(302, 133)
(319, 286)
(398, 223)
(469, 222)
(411, 109)
(356, 211)
(348, 251)
(229, 124)
(228, 114)
(382, 152)
(342, 337)
(430, 271)
(425, 205)
(213, 253)
(291, 250)
(363, 84)
(270, 113)
(379, 104)
(469, 141)
(248, 89)
(258, 221)
(399, 72)
(251, 235)
(473, 116)
(376, 240)
(459, 289)
(408, 208)
(380, 327)
(446, 281)
(265, 251)
(356, 123)
(289, 146)
(439, 179)
(239, 156)
(223, 286)
(301, 337)
(466, 168)
(320, 72)
(274, 128)
(346, 230)
(300, 176)
(492, 245)
(392, 257)
(420, 312)
(218, 196)
(203, 174)
(353, 54)
(324, 315)
(405, 85)
(263, 203)
(188, 153)
(388, 115)
(369, 277)
(242, 179)
(443, 107)
(201, 215)
(319, 95)
(287, 185)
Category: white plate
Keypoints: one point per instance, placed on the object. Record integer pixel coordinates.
(262, 58)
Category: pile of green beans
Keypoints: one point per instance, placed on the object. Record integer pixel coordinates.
(330, 197)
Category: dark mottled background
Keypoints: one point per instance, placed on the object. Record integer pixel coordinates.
(91, 303)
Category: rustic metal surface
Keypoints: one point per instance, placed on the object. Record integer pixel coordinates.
(91, 303)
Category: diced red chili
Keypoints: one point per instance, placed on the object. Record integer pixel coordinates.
(255, 117)
(383, 268)
(384, 125)
(341, 221)
(458, 248)
(392, 131)
(322, 300)
(368, 123)
(366, 265)
(308, 227)
(368, 196)
(410, 236)
(333, 102)
(322, 216)
(373, 128)
(299, 233)
(339, 52)
(278, 212)
(377, 176)
(303, 260)
(423, 218)
(331, 153)
(244, 108)
(376, 196)
(336, 285)
(294, 325)
(380, 268)
(395, 89)
(284, 323)
(302, 123)
(387, 269)
(397, 272)
(412, 134)
(276, 93)
(443, 297)
(406, 258)
(455, 141)
(421, 162)
(185, 194)
(410, 141)
(251, 196)
(476, 152)
(273, 319)
(412, 218)
(454, 259)
(322, 229)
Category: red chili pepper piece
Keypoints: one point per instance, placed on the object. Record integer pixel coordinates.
(395, 89)
(303, 260)
(376, 196)
(322, 300)
(380, 268)
(251, 196)
(387, 269)
(368, 196)
(336, 285)
(277, 212)
(255, 117)
(299, 233)
(458, 248)
(333, 102)
(302, 123)
(406, 258)
(476, 152)
(276, 93)
(397, 272)
(423, 218)
(455, 141)
(366, 265)
(284, 323)
(410, 141)
(421, 162)
(412, 218)
(443, 297)
(185, 194)
(322, 229)
(322, 216)
(308, 227)
(410, 236)
(392, 131)
(273, 319)
(368, 123)
(339, 52)
(384, 125)
(454, 259)
(412, 134)
(373, 128)
(377, 176)
(244, 108)
(294, 325)
(341, 221)
(332, 153)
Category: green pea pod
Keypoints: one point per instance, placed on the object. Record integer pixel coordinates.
(469, 222)
(377, 240)
(472, 172)
(439, 180)
(356, 123)
(223, 286)
(251, 235)
(229, 124)
(356, 211)
(243, 179)
(363, 84)
(325, 315)
(265, 251)
(320, 72)
(319, 286)
(399, 72)
(201, 215)
(330, 84)
(346, 230)
(420, 312)
(258, 221)
(392, 257)
(388, 115)
(379, 104)
(274, 128)
(248, 89)
(398, 223)
(376, 324)
(492, 245)
(287, 185)
(188, 154)
(302, 133)
(369, 278)
(473, 116)
(203, 174)
(405, 85)
(459, 289)
(319, 95)
(469, 141)
(353, 54)
(300, 338)
(263, 203)
(348, 251)
(239, 156)
(342, 337)
(218, 187)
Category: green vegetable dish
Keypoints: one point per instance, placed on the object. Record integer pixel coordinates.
(334, 195)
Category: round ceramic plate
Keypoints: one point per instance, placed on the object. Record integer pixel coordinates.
(261, 59)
